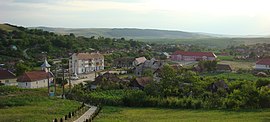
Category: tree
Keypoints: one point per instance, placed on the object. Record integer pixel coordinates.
(21, 68)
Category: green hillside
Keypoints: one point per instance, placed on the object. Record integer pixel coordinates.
(130, 33)
(162, 36)
(7, 27)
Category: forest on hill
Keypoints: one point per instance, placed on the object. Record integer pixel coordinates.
(23, 43)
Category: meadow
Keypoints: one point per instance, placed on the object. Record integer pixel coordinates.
(236, 65)
(127, 114)
(32, 105)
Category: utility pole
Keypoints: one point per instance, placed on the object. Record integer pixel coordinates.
(54, 79)
(63, 80)
(69, 73)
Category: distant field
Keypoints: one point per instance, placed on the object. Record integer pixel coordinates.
(125, 114)
(225, 58)
(236, 65)
(211, 42)
(19, 105)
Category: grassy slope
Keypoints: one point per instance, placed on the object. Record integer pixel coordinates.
(123, 114)
(43, 111)
(7, 27)
(33, 105)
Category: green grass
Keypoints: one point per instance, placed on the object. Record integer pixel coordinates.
(236, 65)
(125, 114)
(226, 58)
(33, 105)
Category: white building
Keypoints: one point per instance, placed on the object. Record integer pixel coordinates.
(86, 62)
(263, 64)
(36, 79)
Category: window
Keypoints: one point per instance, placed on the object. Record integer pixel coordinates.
(37, 82)
(26, 84)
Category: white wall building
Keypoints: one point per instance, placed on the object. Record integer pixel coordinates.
(263, 64)
(36, 79)
(86, 62)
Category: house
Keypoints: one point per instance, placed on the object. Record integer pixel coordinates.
(124, 62)
(152, 65)
(263, 64)
(8, 78)
(192, 56)
(107, 80)
(139, 60)
(165, 55)
(140, 82)
(223, 68)
(36, 79)
(86, 62)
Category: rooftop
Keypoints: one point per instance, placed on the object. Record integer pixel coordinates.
(208, 54)
(6, 74)
(34, 76)
(264, 61)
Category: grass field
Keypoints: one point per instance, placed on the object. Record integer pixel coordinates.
(32, 105)
(236, 65)
(226, 58)
(124, 114)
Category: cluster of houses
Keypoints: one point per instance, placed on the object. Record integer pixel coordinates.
(81, 63)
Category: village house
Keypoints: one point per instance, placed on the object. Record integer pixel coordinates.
(263, 64)
(223, 68)
(152, 65)
(107, 80)
(139, 60)
(86, 62)
(8, 78)
(192, 56)
(124, 62)
(36, 79)
(140, 82)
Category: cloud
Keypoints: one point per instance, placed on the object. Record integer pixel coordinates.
(191, 15)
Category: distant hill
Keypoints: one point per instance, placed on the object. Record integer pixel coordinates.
(131, 33)
(7, 27)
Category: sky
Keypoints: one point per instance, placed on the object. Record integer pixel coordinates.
(230, 17)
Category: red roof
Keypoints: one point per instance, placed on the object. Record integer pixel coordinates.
(6, 74)
(34, 76)
(264, 61)
(143, 81)
(208, 54)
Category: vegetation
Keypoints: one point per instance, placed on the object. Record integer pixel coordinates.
(126, 114)
(32, 105)
(32, 45)
(185, 89)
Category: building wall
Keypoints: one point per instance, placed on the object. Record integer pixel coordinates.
(263, 67)
(10, 82)
(190, 58)
(35, 84)
(85, 66)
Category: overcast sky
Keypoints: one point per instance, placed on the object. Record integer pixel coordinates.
(234, 17)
